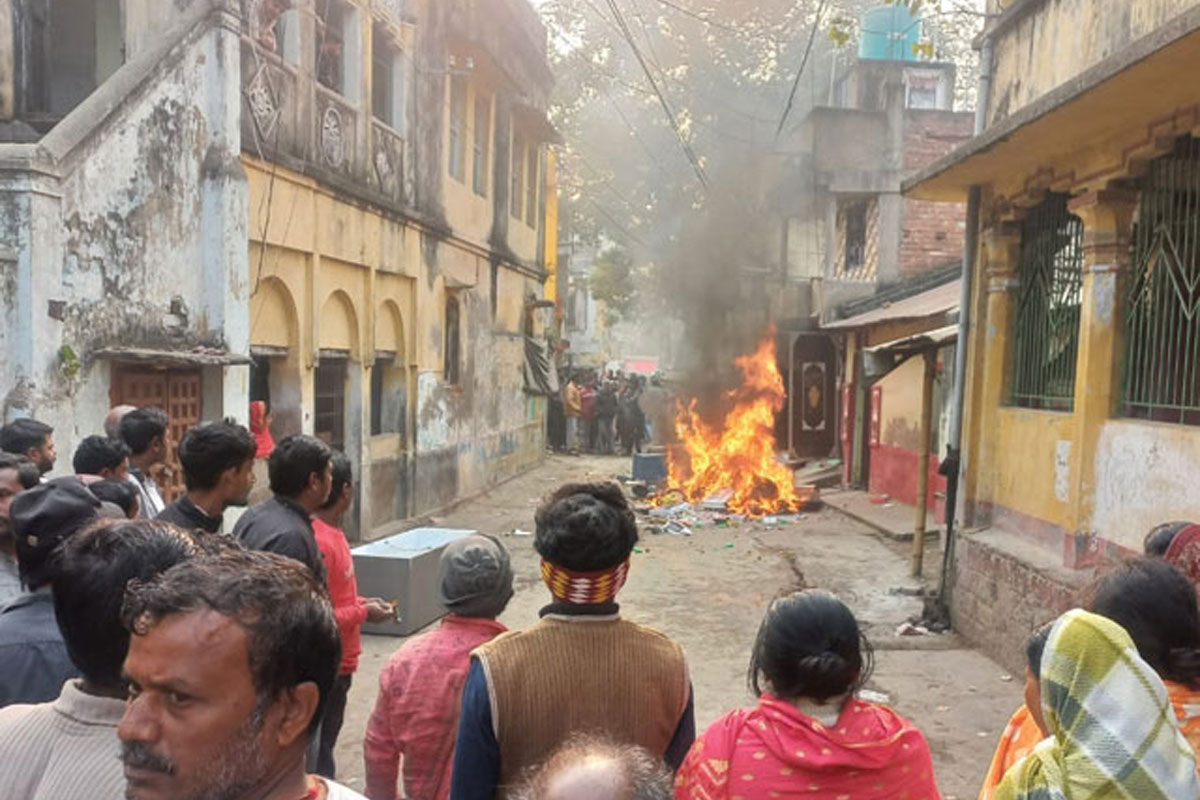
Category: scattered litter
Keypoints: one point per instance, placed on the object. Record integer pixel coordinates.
(982, 734)
(943, 709)
(870, 696)
(677, 529)
(769, 521)
(639, 550)
(519, 532)
(729, 545)
(907, 591)
(908, 629)
(1006, 678)
(718, 501)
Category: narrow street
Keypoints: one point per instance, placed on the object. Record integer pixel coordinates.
(709, 592)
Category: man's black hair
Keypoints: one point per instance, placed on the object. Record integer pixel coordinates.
(586, 527)
(97, 453)
(1156, 604)
(44, 517)
(93, 569)
(343, 476)
(810, 645)
(122, 494)
(293, 461)
(140, 427)
(210, 449)
(28, 475)
(22, 434)
(285, 611)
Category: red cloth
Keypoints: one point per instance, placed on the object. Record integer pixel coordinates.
(416, 713)
(258, 427)
(587, 402)
(349, 609)
(776, 751)
(1184, 553)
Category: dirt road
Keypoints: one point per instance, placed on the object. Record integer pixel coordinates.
(709, 592)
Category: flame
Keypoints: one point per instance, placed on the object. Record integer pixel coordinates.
(740, 457)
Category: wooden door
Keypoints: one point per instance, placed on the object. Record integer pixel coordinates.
(177, 392)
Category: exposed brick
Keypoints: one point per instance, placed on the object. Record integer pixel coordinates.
(933, 234)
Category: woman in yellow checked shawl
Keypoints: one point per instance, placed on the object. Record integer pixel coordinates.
(1114, 734)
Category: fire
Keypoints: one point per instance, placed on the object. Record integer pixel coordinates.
(740, 457)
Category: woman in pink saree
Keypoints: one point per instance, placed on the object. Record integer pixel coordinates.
(809, 736)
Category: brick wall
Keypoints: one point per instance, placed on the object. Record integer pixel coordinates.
(1001, 596)
(934, 233)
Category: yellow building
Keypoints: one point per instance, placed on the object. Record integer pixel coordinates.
(395, 156)
(1083, 394)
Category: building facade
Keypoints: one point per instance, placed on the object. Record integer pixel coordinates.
(1082, 397)
(333, 206)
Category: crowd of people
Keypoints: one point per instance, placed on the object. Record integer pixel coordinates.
(606, 413)
(145, 654)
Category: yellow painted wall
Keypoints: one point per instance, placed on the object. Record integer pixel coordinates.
(1022, 464)
(1062, 39)
(523, 237)
(900, 417)
(469, 214)
(551, 250)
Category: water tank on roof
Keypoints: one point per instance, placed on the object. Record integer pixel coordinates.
(889, 32)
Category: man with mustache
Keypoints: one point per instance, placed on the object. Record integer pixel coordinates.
(231, 660)
(67, 749)
(17, 473)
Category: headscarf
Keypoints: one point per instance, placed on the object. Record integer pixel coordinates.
(258, 427)
(475, 577)
(1115, 735)
(1184, 554)
(774, 750)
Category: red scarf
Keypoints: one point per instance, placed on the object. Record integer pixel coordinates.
(258, 427)
(1184, 554)
(776, 751)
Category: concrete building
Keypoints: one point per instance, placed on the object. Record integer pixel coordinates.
(332, 205)
(849, 236)
(1082, 398)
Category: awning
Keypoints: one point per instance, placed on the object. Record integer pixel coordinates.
(197, 357)
(533, 122)
(941, 300)
(1148, 80)
(918, 342)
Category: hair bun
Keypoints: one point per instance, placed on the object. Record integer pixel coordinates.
(827, 669)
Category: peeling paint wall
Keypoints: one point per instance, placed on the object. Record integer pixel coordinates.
(125, 241)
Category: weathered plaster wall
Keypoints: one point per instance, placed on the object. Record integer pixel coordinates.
(130, 238)
(1145, 475)
(1059, 39)
(1024, 464)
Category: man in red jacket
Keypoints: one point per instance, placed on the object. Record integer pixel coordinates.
(350, 610)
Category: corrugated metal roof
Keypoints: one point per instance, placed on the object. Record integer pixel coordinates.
(918, 341)
(941, 300)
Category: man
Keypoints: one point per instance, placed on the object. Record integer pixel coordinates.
(300, 473)
(67, 749)
(34, 662)
(218, 471)
(112, 420)
(573, 406)
(32, 439)
(587, 414)
(144, 430)
(122, 494)
(17, 473)
(420, 690)
(230, 661)
(606, 415)
(350, 610)
(593, 768)
(99, 455)
(529, 690)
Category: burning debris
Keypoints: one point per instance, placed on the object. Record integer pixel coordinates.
(738, 460)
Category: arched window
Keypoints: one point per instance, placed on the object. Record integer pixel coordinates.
(452, 351)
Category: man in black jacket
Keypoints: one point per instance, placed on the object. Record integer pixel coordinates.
(218, 470)
(300, 473)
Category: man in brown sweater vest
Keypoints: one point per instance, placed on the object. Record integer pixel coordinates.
(580, 668)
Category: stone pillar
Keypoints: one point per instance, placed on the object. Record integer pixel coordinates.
(1000, 246)
(1107, 226)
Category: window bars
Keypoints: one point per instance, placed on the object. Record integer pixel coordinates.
(1046, 318)
(1162, 327)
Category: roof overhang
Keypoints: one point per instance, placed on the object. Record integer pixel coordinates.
(535, 123)
(168, 359)
(1146, 81)
(917, 343)
(940, 300)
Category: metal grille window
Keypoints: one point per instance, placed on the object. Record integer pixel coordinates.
(1162, 327)
(1046, 318)
(329, 419)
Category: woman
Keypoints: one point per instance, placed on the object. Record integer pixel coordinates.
(1113, 733)
(1026, 728)
(1160, 537)
(809, 736)
(260, 427)
(1183, 553)
(1156, 605)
